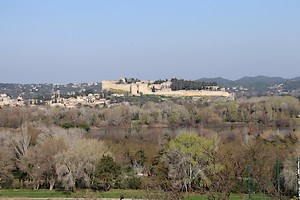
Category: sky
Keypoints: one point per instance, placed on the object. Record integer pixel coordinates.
(74, 41)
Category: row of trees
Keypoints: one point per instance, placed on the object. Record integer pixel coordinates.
(128, 80)
(216, 164)
(180, 84)
(267, 111)
(45, 156)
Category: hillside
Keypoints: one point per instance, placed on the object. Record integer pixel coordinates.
(260, 85)
(44, 91)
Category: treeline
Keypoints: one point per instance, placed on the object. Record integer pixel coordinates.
(180, 84)
(160, 81)
(128, 80)
(264, 111)
(56, 158)
(39, 156)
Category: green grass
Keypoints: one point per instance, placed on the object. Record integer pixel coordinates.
(232, 197)
(30, 193)
(253, 196)
(43, 193)
(114, 193)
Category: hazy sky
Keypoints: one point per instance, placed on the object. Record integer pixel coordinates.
(62, 41)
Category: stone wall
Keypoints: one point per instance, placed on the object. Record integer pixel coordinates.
(145, 88)
(107, 85)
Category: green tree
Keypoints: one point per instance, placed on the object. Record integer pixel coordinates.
(189, 157)
(107, 173)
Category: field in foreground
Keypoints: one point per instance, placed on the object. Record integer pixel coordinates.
(26, 193)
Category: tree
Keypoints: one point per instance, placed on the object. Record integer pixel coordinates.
(189, 158)
(77, 164)
(107, 173)
(38, 161)
(6, 159)
(47, 151)
(31, 165)
(6, 166)
(289, 172)
(21, 143)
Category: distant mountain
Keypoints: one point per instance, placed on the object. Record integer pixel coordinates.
(219, 80)
(296, 78)
(261, 85)
(259, 79)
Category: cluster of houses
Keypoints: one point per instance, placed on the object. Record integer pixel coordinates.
(5, 100)
(278, 89)
(92, 100)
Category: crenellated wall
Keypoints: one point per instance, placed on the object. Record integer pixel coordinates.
(161, 89)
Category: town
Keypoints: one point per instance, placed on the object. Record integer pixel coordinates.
(99, 95)
(105, 93)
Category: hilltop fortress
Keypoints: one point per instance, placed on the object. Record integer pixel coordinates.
(137, 87)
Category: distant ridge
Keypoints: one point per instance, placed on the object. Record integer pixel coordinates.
(219, 80)
(250, 81)
(296, 78)
(258, 83)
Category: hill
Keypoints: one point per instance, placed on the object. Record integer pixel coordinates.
(44, 91)
(218, 80)
(260, 85)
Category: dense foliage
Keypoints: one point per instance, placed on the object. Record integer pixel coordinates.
(264, 111)
(180, 84)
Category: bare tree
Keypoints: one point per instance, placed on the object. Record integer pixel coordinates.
(30, 163)
(47, 152)
(78, 162)
(69, 136)
(289, 172)
(21, 143)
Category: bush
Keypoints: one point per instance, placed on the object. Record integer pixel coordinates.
(68, 125)
(134, 183)
(84, 126)
(6, 182)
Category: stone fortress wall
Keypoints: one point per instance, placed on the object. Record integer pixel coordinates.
(107, 85)
(164, 89)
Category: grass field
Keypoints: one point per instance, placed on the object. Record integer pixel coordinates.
(19, 193)
(232, 197)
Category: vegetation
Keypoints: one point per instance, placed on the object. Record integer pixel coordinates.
(107, 173)
(160, 81)
(128, 80)
(114, 193)
(51, 148)
(259, 85)
(180, 84)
